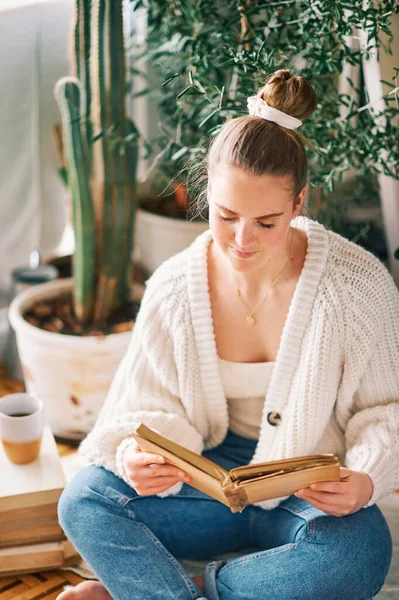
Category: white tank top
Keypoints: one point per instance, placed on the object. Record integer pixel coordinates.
(245, 386)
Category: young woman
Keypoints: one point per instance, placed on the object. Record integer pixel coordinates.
(269, 337)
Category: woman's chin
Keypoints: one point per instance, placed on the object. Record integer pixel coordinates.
(244, 265)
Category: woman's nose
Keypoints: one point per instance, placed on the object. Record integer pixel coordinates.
(244, 236)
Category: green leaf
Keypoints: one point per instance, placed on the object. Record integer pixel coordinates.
(388, 83)
(63, 174)
(179, 153)
(189, 87)
(260, 50)
(396, 254)
(169, 79)
(96, 137)
(141, 93)
(208, 117)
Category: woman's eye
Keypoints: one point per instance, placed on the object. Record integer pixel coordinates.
(266, 225)
(262, 225)
(225, 218)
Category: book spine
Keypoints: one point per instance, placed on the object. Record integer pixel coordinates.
(237, 498)
(23, 524)
(47, 533)
(25, 516)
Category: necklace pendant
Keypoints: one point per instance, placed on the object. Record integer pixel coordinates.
(250, 320)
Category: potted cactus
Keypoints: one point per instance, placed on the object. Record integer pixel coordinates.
(72, 334)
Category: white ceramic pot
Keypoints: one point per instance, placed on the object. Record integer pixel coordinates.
(70, 374)
(159, 237)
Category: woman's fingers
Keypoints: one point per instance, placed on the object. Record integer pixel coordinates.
(147, 458)
(162, 482)
(163, 471)
(161, 488)
(160, 485)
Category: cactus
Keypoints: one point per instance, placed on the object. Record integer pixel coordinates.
(101, 164)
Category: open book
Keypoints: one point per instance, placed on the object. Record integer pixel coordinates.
(242, 485)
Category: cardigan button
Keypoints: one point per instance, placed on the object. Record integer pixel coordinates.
(274, 419)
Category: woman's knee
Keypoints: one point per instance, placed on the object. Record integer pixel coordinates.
(361, 544)
(79, 503)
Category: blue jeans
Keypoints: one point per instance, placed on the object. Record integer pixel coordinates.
(133, 543)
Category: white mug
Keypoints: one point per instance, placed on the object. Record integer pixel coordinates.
(21, 427)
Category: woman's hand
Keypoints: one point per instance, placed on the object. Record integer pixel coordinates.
(149, 473)
(340, 498)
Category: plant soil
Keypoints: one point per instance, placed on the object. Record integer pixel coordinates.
(166, 207)
(57, 315)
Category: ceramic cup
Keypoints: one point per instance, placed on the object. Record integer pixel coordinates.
(21, 427)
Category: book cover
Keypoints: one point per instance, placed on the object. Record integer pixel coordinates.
(243, 485)
(31, 534)
(38, 483)
(23, 517)
(36, 557)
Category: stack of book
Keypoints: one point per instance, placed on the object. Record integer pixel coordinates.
(31, 537)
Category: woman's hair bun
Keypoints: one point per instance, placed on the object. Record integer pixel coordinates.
(291, 94)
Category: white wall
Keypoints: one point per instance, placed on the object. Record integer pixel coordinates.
(379, 67)
(34, 54)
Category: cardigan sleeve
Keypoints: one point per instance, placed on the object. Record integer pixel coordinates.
(372, 432)
(145, 387)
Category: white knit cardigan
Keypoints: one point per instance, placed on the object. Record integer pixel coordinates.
(336, 377)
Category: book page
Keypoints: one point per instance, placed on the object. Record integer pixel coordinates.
(255, 470)
(285, 484)
(46, 547)
(192, 458)
(199, 479)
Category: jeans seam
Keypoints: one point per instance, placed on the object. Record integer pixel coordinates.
(122, 499)
(113, 502)
(250, 557)
(311, 529)
(310, 524)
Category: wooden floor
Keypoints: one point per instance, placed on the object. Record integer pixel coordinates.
(43, 585)
(47, 585)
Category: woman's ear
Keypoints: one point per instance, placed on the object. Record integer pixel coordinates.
(299, 202)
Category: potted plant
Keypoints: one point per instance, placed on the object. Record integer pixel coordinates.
(212, 56)
(72, 333)
(164, 226)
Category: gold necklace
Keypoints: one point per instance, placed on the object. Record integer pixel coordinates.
(250, 319)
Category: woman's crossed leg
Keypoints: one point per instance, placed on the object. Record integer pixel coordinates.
(133, 544)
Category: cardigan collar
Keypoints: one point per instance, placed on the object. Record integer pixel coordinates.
(297, 320)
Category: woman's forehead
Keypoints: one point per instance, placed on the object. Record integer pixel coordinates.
(234, 189)
(228, 174)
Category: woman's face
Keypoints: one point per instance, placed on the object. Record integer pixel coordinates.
(250, 215)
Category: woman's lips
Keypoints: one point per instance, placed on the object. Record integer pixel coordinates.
(243, 254)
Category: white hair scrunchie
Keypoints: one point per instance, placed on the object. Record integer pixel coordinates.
(259, 107)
